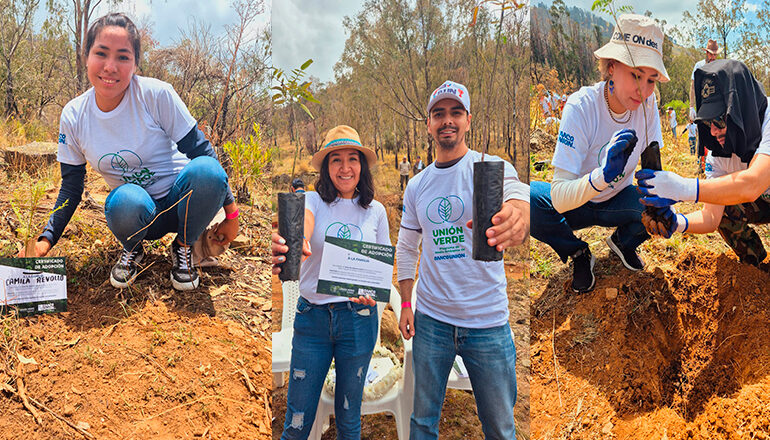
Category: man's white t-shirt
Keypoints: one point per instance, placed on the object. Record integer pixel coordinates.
(453, 287)
(343, 218)
(697, 66)
(672, 119)
(692, 130)
(133, 143)
(721, 166)
(586, 129)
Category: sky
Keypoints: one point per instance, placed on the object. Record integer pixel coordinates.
(304, 29)
(668, 10)
(167, 17)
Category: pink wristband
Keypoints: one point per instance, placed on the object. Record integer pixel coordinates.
(406, 304)
(232, 215)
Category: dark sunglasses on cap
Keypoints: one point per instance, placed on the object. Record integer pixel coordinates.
(720, 123)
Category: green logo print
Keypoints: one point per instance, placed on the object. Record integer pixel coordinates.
(447, 209)
(347, 231)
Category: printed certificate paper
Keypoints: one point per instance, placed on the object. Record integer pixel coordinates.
(33, 285)
(355, 268)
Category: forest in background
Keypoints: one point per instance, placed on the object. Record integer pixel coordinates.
(397, 52)
(223, 77)
(564, 39)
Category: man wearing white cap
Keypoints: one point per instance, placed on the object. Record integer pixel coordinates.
(461, 304)
(604, 130)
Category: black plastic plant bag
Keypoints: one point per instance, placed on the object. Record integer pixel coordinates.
(651, 161)
(291, 225)
(487, 201)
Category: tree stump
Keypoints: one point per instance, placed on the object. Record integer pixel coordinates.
(29, 157)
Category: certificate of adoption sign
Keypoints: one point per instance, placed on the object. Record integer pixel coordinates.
(356, 268)
(33, 285)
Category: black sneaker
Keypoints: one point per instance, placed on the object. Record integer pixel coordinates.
(627, 256)
(184, 276)
(583, 279)
(125, 270)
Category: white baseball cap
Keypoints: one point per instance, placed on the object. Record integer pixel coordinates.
(637, 41)
(451, 90)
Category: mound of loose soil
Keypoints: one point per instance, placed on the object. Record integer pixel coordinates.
(676, 354)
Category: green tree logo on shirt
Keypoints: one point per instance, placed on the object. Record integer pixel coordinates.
(129, 165)
(347, 231)
(447, 209)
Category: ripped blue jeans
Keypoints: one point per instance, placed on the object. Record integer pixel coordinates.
(344, 331)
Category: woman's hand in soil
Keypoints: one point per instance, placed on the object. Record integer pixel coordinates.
(365, 300)
(510, 226)
(228, 230)
(279, 248)
(40, 248)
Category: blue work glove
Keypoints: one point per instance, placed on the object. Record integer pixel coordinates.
(619, 149)
(656, 185)
(664, 222)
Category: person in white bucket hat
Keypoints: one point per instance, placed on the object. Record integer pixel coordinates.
(603, 132)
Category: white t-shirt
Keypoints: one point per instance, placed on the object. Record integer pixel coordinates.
(453, 287)
(545, 102)
(133, 143)
(721, 166)
(343, 218)
(672, 119)
(586, 129)
(692, 130)
(697, 66)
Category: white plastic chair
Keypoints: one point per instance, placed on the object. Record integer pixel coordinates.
(282, 339)
(397, 401)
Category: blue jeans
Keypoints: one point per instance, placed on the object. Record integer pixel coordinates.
(490, 357)
(344, 331)
(692, 144)
(130, 209)
(556, 229)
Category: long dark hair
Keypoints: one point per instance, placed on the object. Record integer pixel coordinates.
(114, 19)
(365, 188)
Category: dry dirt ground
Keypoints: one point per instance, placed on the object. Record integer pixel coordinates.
(677, 351)
(145, 362)
(459, 418)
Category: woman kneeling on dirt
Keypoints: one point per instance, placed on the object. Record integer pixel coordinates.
(734, 125)
(138, 134)
(326, 326)
(597, 151)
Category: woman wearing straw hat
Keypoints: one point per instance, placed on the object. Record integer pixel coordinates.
(597, 151)
(325, 326)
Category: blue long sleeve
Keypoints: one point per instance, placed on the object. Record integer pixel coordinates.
(71, 191)
(195, 144)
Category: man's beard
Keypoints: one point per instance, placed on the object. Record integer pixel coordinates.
(448, 145)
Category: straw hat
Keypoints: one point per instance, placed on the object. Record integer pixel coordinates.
(338, 138)
(713, 48)
(636, 42)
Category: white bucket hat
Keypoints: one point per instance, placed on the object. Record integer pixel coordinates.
(637, 41)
